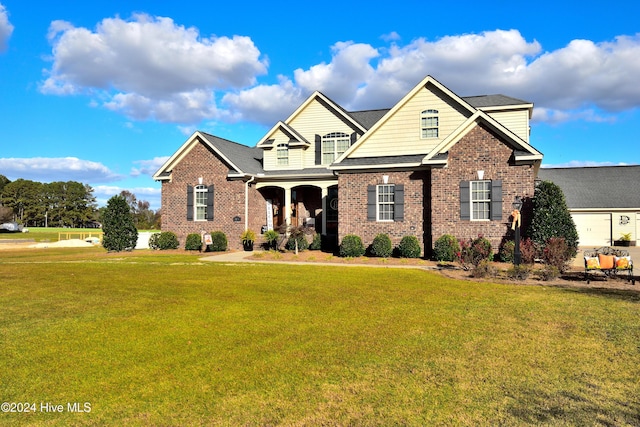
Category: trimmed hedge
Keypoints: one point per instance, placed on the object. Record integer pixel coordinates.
(351, 246)
(164, 240)
(194, 242)
(446, 248)
(219, 242)
(382, 246)
(409, 247)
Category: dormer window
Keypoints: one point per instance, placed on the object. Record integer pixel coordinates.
(282, 154)
(333, 146)
(429, 124)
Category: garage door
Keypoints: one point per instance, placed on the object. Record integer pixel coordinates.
(594, 229)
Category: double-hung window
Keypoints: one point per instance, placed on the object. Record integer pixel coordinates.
(386, 202)
(200, 204)
(333, 146)
(480, 199)
(429, 124)
(282, 154)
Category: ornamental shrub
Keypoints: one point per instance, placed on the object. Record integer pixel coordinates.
(164, 240)
(409, 247)
(557, 253)
(194, 242)
(303, 244)
(446, 248)
(528, 251)
(381, 246)
(484, 269)
(551, 217)
(519, 272)
(507, 251)
(351, 246)
(218, 242)
(119, 229)
(271, 238)
(472, 252)
(316, 244)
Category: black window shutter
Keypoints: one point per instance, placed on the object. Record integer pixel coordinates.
(496, 200)
(398, 201)
(465, 205)
(353, 138)
(371, 203)
(189, 203)
(210, 203)
(318, 150)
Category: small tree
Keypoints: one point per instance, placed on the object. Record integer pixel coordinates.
(120, 232)
(382, 246)
(551, 217)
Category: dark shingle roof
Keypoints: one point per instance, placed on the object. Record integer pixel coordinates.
(604, 187)
(368, 118)
(386, 160)
(497, 100)
(247, 159)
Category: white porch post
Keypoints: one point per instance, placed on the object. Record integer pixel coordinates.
(287, 207)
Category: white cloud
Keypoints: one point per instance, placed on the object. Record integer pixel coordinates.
(150, 67)
(6, 29)
(50, 169)
(148, 167)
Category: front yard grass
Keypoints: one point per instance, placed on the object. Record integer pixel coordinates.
(152, 338)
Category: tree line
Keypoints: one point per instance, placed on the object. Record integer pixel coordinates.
(63, 204)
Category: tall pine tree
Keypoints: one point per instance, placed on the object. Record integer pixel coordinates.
(551, 217)
(120, 232)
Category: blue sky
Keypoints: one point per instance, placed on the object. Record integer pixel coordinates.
(103, 92)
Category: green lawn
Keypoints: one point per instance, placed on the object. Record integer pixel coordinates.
(152, 338)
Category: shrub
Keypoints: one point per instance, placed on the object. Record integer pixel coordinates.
(164, 240)
(351, 246)
(484, 269)
(472, 252)
(218, 242)
(446, 248)
(551, 217)
(120, 232)
(507, 251)
(528, 251)
(409, 247)
(303, 244)
(548, 272)
(316, 244)
(381, 246)
(248, 236)
(557, 253)
(194, 242)
(519, 272)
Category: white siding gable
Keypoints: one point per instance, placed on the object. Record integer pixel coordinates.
(400, 134)
(517, 121)
(270, 156)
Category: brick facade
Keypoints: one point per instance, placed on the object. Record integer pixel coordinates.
(480, 149)
(352, 206)
(229, 198)
(432, 198)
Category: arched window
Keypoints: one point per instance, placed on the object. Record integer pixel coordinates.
(429, 124)
(333, 145)
(282, 154)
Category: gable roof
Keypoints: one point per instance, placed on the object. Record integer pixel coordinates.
(601, 187)
(294, 137)
(241, 159)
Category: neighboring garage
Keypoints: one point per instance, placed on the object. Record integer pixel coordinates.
(604, 201)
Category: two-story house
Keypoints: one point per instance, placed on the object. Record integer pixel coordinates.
(434, 163)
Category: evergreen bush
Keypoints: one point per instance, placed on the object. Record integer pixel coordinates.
(351, 246)
(316, 244)
(119, 229)
(551, 217)
(194, 242)
(303, 244)
(472, 252)
(382, 246)
(409, 247)
(164, 240)
(507, 251)
(446, 248)
(218, 242)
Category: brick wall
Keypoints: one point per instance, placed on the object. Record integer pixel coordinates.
(229, 198)
(352, 206)
(478, 150)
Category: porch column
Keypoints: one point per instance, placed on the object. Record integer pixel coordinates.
(325, 195)
(287, 207)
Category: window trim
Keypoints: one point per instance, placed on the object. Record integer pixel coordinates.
(282, 154)
(200, 201)
(391, 189)
(425, 128)
(488, 202)
(333, 138)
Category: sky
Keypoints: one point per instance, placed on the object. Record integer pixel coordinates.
(103, 92)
